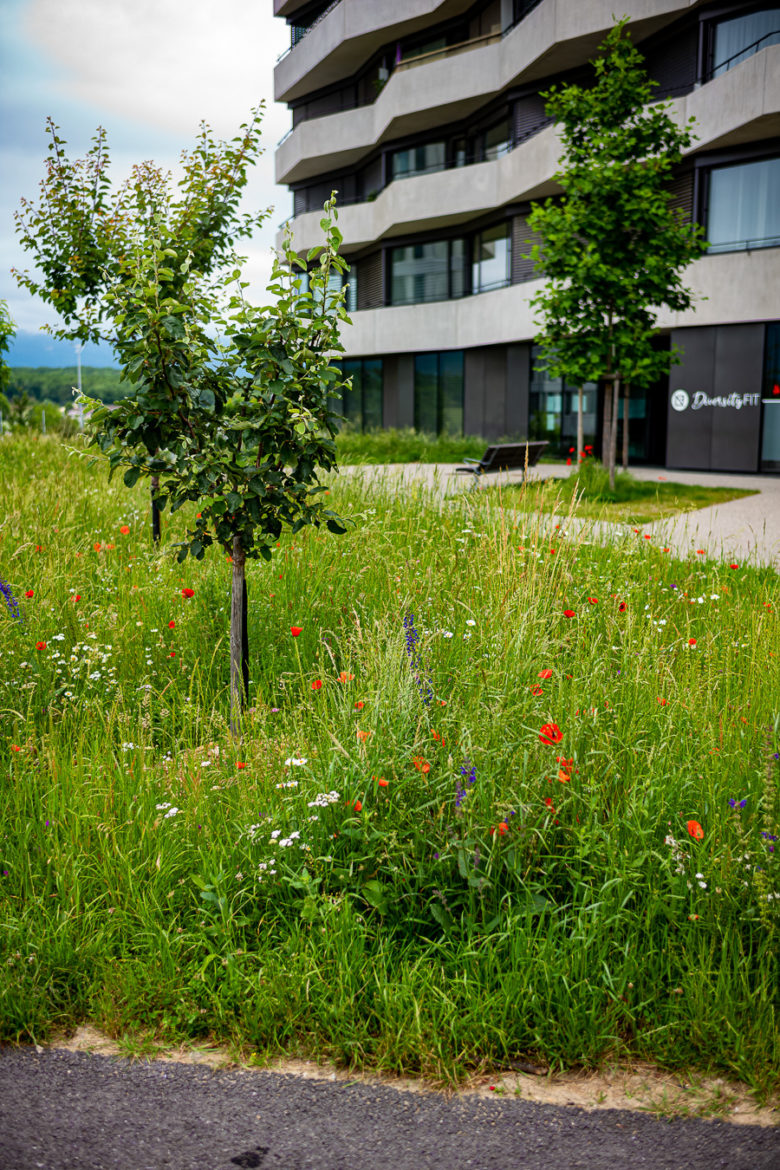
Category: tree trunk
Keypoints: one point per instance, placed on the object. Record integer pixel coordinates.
(155, 510)
(238, 637)
(613, 431)
(606, 428)
(626, 412)
(580, 428)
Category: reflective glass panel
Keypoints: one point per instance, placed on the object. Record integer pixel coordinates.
(451, 392)
(744, 207)
(426, 377)
(736, 40)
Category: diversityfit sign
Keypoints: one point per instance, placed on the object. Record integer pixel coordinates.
(681, 400)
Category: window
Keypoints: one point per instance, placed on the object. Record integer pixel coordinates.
(735, 40)
(438, 392)
(418, 160)
(491, 259)
(362, 405)
(496, 141)
(743, 209)
(553, 409)
(427, 272)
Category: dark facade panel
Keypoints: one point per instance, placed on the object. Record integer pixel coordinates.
(369, 274)
(496, 390)
(681, 189)
(673, 63)
(714, 411)
(518, 370)
(473, 391)
(522, 240)
(528, 116)
(399, 391)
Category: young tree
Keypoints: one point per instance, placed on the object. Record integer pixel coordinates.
(84, 231)
(612, 248)
(238, 422)
(7, 334)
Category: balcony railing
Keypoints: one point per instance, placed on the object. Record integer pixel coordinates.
(303, 32)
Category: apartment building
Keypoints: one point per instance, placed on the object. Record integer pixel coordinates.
(426, 117)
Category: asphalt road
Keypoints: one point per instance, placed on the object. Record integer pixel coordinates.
(76, 1111)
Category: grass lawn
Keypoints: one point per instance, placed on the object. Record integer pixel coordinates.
(508, 795)
(633, 501)
(405, 446)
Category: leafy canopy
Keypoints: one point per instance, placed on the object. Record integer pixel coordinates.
(613, 248)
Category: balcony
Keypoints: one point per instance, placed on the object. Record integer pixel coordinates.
(740, 287)
(428, 92)
(350, 33)
(740, 106)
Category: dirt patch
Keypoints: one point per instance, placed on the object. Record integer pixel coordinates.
(640, 1087)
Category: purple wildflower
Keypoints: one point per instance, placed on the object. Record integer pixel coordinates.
(737, 803)
(422, 681)
(10, 600)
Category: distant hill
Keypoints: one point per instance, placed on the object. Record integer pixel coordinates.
(56, 385)
(30, 349)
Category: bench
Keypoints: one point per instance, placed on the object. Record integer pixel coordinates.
(504, 457)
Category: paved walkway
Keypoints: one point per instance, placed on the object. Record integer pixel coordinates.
(745, 530)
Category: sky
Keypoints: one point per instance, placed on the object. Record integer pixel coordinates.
(149, 71)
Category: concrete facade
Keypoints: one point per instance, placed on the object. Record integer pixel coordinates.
(371, 83)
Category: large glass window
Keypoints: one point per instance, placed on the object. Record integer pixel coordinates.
(496, 141)
(438, 392)
(770, 401)
(553, 409)
(361, 406)
(491, 259)
(743, 206)
(737, 39)
(426, 272)
(418, 160)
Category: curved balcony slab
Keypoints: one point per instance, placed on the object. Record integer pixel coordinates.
(349, 35)
(433, 93)
(740, 287)
(740, 106)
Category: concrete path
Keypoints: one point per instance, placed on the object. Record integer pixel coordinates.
(745, 530)
(75, 1111)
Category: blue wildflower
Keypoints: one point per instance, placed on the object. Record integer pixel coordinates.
(10, 600)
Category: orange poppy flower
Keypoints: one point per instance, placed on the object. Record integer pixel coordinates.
(124, 530)
(363, 735)
(344, 677)
(695, 830)
(550, 733)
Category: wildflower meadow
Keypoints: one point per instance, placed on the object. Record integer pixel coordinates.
(503, 792)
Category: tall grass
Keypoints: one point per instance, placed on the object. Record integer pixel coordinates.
(461, 826)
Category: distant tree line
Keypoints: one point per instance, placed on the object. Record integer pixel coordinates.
(49, 384)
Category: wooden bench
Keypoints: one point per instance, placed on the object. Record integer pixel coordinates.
(504, 457)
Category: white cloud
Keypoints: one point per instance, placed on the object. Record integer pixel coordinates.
(167, 63)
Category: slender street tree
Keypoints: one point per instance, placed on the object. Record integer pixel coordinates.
(612, 248)
(229, 405)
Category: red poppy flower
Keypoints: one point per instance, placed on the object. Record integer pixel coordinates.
(358, 806)
(593, 600)
(188, 592)
(344, 677)
(545, 674)
(317, 684)
(699, 552)
(240, 764)
(171, 624)
(550, 733)
(691, 641)
(662, 701)
(549, 803)
(40, 645)
(503, 828)
(124, 530)
(96, 546)
(666, 550)
(568, 613)
(647, 536)
(359, 705)
(695, 830)
(296, 630)
(15, 747)
(29, 593)
(733, 566)
(172, 654)
(622, 607)
(363, 735)
(421, 764)
(536, 690)
(382, 782)
(77, 597)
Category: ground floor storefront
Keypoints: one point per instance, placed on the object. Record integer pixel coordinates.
(718, 410)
